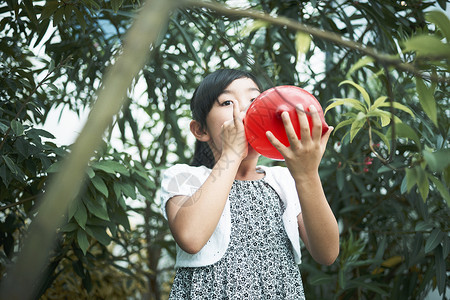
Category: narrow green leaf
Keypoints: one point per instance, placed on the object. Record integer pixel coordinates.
(427, 45)
(69, 227)
(380, 100)
(49, 9)
(340, 179)
(357, 125)
(440, 269)
(411, 178)
(253, 26)
(434, 240)
(116, 4)
(441, 21)
(343, 123)
(129, 190)
(399, 106)
(441, 188)
(80, 18)
(426, 99)
(17, 127)
(90, 172)
(80, 214)
(302, 43)
(423, 183)
(346, 101)
(360, 89)
(362, 62)
(11, 165)
(100, 185)
(383, 115)
(438, 160)
(99, 234)
(111, 167)
(405, 131)
(383, 138)
(97, 207)
(82, 240)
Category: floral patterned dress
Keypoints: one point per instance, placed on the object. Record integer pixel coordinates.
(258, 263)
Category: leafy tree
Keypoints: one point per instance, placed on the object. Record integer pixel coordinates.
(386, 170)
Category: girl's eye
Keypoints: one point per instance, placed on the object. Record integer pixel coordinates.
(226, 103)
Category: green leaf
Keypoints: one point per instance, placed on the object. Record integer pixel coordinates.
(80, 18)
(111, 167)
(116, 4)
(360, 89)
(438, 160)
(434, 240)
(17, 127)
(427, 45)
(411, 178)
(97, 207)
(440, 269)
(80, 214)
(399, 106)
(380, 100)
(423, 183)
(357, 125)
(69, 227)
(255, 25)
(99, 234)
(441, 21)
(128, 190)
(343, 123)
(383, 138)
(346, 101)
(302, 43)
(441, 188)
(364, 61)
(90, 172)
(321, 279)
(100, 185)
(82, 240)
(383, 115)
(405, 131)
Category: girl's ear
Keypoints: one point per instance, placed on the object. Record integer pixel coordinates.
(199, 133)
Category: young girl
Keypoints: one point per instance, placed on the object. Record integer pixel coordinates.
(237, 225)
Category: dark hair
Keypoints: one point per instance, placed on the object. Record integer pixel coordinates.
(202, 101)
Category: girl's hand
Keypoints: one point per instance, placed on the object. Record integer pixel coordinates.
(234, 142)
(302, 156)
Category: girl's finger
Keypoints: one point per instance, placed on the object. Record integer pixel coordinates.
(275, 142)
(290, 131)
(316, 123)
(325, 137)
(236, 114)
(304, 125)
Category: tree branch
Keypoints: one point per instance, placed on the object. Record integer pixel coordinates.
(382, 58)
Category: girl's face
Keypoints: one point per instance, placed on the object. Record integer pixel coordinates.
(242, 92)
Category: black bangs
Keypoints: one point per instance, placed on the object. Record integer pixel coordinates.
(210, 89)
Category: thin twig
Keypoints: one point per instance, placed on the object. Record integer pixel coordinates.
(19, 202)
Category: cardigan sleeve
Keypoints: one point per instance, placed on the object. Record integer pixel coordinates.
(180, 180)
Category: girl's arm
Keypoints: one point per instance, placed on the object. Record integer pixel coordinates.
(193, 219)
(317, 224)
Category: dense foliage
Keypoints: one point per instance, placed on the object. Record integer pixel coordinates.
(386, 171)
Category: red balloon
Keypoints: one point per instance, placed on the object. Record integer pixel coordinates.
(264, 114)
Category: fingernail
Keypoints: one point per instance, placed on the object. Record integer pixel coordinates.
(300, 107)
(312, 108)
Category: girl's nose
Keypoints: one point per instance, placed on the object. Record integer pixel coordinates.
(243, 105)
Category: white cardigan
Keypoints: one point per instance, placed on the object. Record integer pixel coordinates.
(182, 179)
